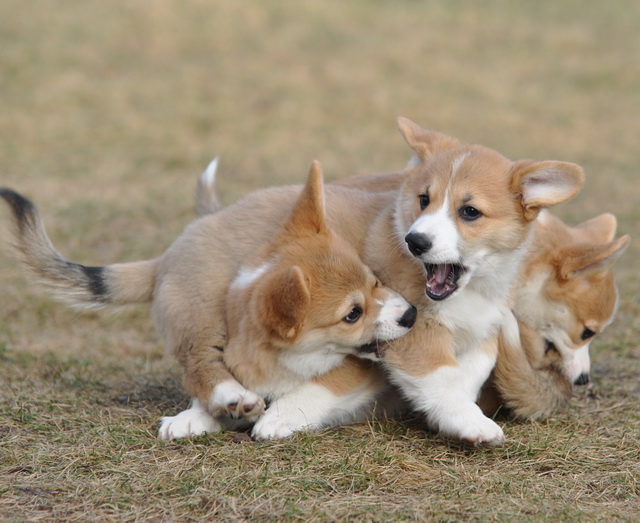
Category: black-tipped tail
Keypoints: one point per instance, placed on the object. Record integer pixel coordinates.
(73, 283)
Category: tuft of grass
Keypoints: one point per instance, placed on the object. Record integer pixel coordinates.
(111, 110)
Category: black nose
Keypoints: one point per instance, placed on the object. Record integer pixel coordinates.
(583, 379)
(417, 243)
(409, 317)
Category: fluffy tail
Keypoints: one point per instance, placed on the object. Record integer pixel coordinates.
(528, 391)
(207, 201)
(77, 285)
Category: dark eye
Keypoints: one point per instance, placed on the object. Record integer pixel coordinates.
(353, 316)
(587, 333)
(424, 201)
(549, 346)
(469, 213)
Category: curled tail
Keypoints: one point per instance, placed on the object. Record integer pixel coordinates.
(78, 285)
(529, 392)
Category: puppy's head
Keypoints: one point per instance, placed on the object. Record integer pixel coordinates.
(465, 210)
(315, 293)
(568, 293)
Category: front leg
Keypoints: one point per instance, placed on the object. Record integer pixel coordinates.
(346, 394)
(208, 378)
(443, 387)
(230, 406)
(195, 421)
(232, 400)
(219, 398)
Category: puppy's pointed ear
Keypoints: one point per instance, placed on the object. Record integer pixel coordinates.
(283, 301)
(307, 215)
(588, 259)
(600, 229)
(424, 143)
(544, 184)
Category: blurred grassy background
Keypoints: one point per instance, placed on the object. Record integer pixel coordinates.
(109, 111)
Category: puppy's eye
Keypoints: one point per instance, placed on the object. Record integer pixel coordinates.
(549, 346)
(469, 213)
(353, 316)
(424, 201)
(587, 333)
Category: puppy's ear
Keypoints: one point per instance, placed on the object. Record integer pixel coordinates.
(424, 143)
(544, 184)
(307, 215)
(589, 259)
(283, 302)
(600, 229)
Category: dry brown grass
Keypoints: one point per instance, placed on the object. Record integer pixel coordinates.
(110, 109)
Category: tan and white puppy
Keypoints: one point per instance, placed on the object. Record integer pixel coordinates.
(296, 309)
(565, 295)
(296, 300)
(451, 241)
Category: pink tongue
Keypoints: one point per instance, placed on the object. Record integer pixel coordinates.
(438, 282)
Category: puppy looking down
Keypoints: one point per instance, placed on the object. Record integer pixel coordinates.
(564, 297)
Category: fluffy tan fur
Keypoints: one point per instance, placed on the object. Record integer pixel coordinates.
(576, 291)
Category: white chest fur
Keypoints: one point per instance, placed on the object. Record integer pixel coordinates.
(478, 310)
(300, 366)
(314, 363)
(473, 317)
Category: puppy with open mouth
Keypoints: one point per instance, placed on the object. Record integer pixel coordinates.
(460, 226)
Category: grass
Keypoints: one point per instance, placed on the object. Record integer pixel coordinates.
(67, 456)
(110, 110)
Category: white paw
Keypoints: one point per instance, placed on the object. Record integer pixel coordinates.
(475, 428)
(485, 431)
(273, 426)
(189, 423)
(233, 400)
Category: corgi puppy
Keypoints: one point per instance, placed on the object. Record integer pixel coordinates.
(451, 241)
(296, 311)
(564, 297)
(278, 302)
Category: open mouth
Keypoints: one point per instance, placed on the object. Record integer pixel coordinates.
(371, 350)
(442, 279)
